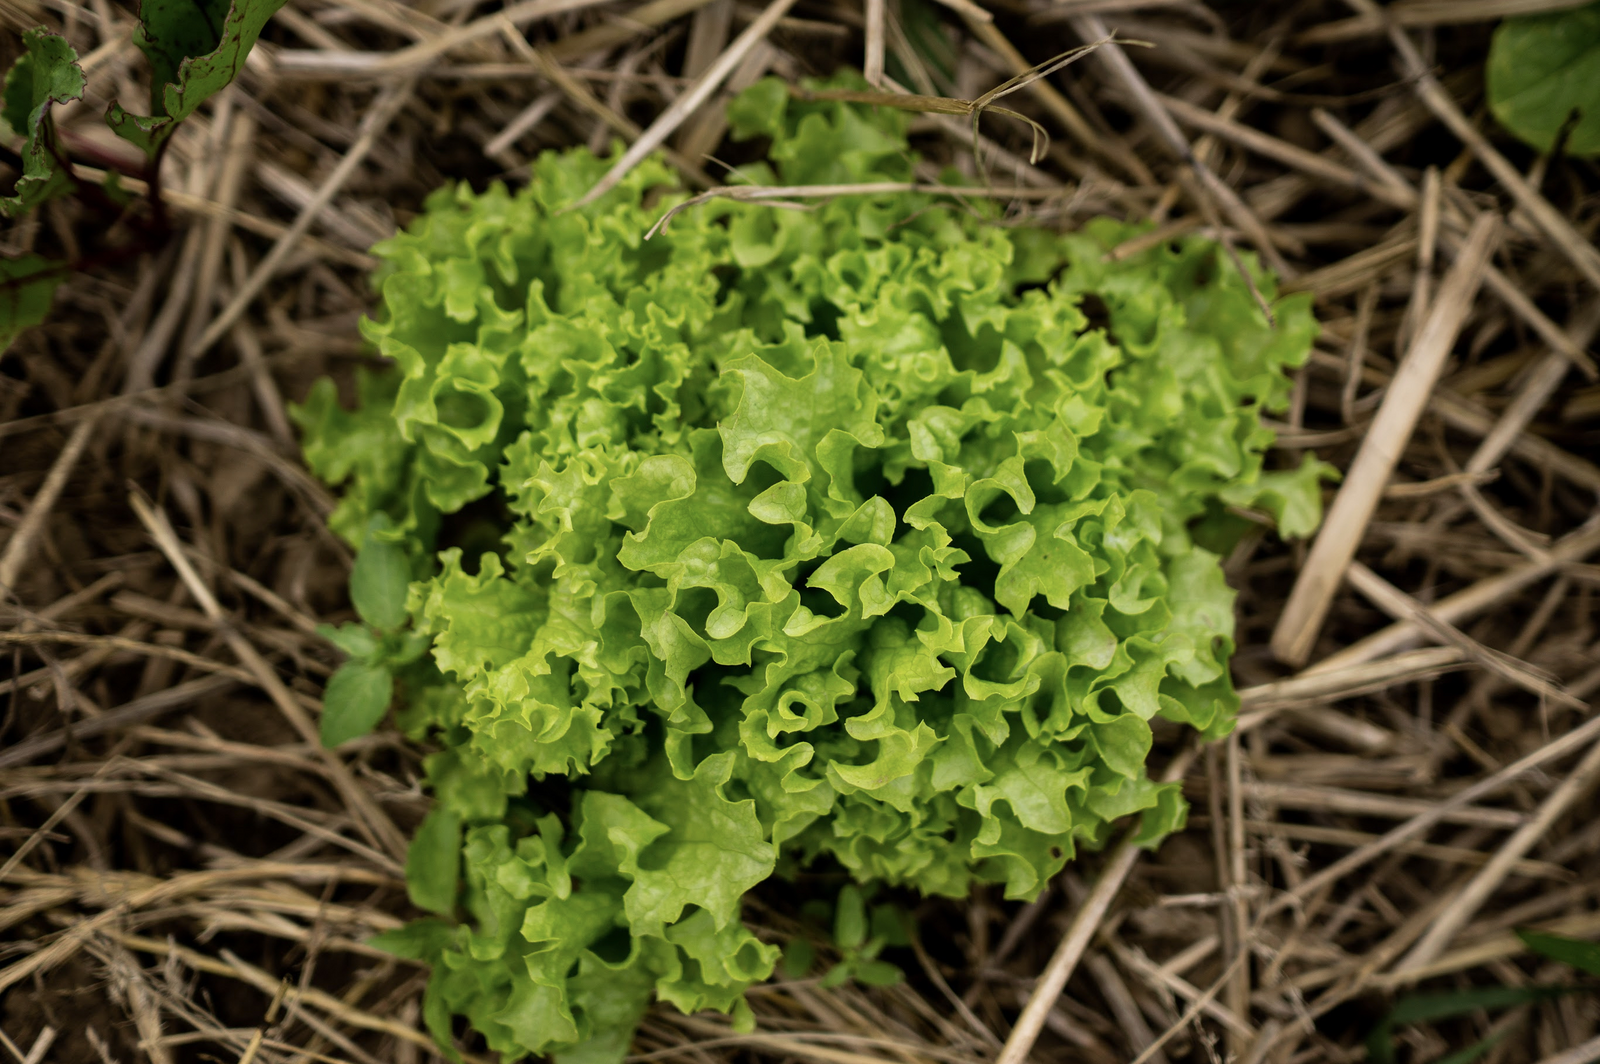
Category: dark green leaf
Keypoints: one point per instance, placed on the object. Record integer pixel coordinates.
(420, 940)
(195, 48)
(354, 701)
(930, 42)
(838, 975)
(1542, 69)
(878, 973)
(406, 648)
(798, 957)
(379, 582)
(1426, 1008)
(1584, 956)
(433, 863)
(47, 73)
(27, 285)
(850, 918)
(354, 639)
(1474, 1051)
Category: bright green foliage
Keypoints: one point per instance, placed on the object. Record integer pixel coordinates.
(195, 48)
(828, 535)
(46, 73)
(1541, 69)
(27, 285)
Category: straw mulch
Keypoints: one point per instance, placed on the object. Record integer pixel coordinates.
(184, 876)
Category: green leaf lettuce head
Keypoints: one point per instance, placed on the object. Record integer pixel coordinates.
(839, 534)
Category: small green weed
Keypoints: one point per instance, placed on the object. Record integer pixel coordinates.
(1426, 1008)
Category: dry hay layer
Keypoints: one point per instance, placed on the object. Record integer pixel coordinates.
(184, 875)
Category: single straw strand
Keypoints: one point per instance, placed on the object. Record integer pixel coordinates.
(1408, 393)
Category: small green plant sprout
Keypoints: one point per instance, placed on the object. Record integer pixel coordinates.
(1543, 79)
(359, 693)
(859, 935)
(1428, 1008)
(46, 74)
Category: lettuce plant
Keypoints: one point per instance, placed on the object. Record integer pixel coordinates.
(872, 535)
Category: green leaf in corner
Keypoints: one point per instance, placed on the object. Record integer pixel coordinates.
(1584, 956)
(47, 73)
(1541, 69)
(380, 579)
(27, 285)
(354, 701)
(1425, 1008)
(433, 863)
(195, 48)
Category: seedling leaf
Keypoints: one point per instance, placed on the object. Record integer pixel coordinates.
(1584, 956)
(850, 919)
(420, 940)
(354, 701)
(46, 73)
(433, 862)
(1541, 69)
(27, 285)
(379, 581)
(1425, 1008)
(878, 973)
(195, 48)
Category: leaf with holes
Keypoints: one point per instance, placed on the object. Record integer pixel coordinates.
(46, 74)
(195, 48)
(827, 535)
